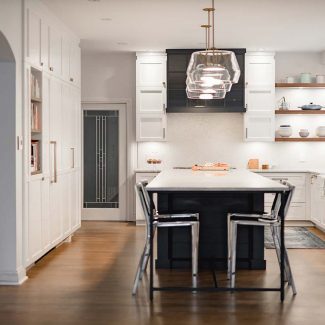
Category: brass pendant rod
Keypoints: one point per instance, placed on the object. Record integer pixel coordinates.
(213, 25)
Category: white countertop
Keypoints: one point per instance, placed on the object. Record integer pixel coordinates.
(233, 180)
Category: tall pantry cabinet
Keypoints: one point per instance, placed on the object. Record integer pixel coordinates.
(52, 132)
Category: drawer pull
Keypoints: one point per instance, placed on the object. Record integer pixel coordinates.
(280, 179)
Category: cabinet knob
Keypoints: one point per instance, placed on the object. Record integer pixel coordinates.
(51, 69)
(42, 63)
(43, 178)
(164, 84)
(71, 79)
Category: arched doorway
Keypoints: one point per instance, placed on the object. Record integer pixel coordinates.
(9, 273)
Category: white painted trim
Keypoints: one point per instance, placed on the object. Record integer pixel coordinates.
(13, 277)
(131, 155)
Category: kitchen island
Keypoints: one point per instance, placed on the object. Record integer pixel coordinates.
(212, 194)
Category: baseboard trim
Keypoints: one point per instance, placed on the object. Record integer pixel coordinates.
(13, 277)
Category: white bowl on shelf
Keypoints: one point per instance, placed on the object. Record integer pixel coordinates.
(320, 131)
(304, 133)
(285, 131)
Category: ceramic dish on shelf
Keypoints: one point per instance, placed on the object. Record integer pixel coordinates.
(304, 133)
(320, 131)
(285, 131)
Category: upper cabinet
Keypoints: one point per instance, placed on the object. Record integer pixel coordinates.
(49, 46)
(74, 63)
(151, 100)
(33, 37)
(151, 70)
(259, 96)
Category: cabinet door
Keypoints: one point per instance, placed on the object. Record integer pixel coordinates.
(66, 204)
(66, 59)
(55, 50)
(151, 100)
(74, 200)
(260, 98)
(56, 233)
(35, 245)
(259, 126)
(33, 42)
(259, 70)
(151, 127)
(55, 121)
(75, 64)
(45, 45)
(67, 128)
(46, 237)
(151, 71)
(260, 82)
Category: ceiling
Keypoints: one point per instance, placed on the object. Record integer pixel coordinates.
(144, 25)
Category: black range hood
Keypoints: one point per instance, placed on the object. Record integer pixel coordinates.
(177, 101)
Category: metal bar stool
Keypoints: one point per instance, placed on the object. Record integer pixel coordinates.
(166, 220)
(273, 221)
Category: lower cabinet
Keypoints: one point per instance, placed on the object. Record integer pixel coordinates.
(38, 219)
(300, 204)
(54, 212)
(318, 200)
(141, 177)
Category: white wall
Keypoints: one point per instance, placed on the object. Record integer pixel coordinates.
(111, 76)
(108, 75)
(11, 270)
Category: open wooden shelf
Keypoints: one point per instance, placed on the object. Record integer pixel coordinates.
(299, 85)
(299, 111)
(300, 139)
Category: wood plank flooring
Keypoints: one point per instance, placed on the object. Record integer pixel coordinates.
(89, 281)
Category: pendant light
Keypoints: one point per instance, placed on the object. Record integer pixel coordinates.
(211, 72)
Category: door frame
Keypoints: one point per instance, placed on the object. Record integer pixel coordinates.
(130, 149)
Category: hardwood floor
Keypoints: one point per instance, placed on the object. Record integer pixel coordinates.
(89, 281)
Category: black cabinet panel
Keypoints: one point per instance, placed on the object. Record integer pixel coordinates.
(177, 101)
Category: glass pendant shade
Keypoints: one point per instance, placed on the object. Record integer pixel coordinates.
(217, 64)
(205, 90)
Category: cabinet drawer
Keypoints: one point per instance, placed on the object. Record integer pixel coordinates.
(297, 211)
(294, 179)
(299, 196)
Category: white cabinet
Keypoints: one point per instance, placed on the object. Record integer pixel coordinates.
(55, 51)
(151, 127)
(318, 200)
(259, 126)
(75, 64)
(74, 200)
(151, 70)
(151, 100)
(33, 37)
(45, 45)
(299, 208)
(38, 227)
(143, 177)
(260, 96)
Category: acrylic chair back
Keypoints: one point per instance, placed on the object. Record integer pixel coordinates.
(287, 197)
(139, 189)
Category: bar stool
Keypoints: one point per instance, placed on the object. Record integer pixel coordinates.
(273, 221)
(166, 220)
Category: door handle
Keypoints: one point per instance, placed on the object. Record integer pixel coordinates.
(55, 175)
